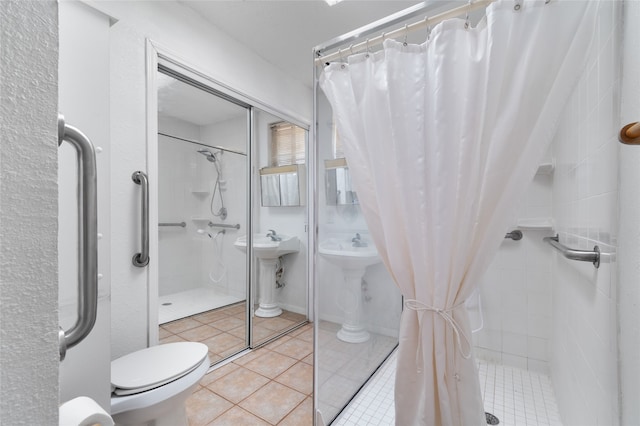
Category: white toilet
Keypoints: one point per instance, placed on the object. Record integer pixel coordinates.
(150, 386)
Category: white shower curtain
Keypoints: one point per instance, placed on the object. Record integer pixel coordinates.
(440, 139)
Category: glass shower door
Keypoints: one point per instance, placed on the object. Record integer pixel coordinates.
(358, 305)
(202, 209)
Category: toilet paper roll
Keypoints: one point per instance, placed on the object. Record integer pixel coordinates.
(83, 411)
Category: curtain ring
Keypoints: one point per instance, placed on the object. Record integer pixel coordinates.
(406, 33)
(367, 45)
(383, 35)
(351, 48)
(547, 1)
(517, 6)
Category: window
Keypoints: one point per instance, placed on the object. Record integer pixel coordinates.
(287, 144)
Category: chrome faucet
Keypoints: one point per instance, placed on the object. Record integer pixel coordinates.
(272, 234)
(357, 241)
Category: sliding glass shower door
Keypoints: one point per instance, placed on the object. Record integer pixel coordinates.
(202, 210)
(358, 305)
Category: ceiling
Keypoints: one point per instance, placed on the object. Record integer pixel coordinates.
(285, 32)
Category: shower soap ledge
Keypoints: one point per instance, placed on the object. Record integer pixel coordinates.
(539, 223)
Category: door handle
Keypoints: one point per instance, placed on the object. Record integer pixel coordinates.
(142, 259)
(87, 237)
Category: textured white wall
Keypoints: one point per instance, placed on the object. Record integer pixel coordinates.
(28, 213)
(585, 194)
(629, 226)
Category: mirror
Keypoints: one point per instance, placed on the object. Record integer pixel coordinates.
(339, 191)
(282, 186)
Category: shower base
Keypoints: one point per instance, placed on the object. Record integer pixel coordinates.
(191, 302)
(515, 396)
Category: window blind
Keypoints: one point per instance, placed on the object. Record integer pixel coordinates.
(287, 144)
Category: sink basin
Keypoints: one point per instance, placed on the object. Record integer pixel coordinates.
(341, 252)
(265, 248)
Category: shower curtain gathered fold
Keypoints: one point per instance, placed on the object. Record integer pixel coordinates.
(440, 138)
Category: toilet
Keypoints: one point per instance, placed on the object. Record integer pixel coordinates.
(150, 387)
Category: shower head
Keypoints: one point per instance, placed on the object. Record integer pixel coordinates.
(210, 156)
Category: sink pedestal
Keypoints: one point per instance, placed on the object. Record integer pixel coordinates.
(352, 330)
(268, 307)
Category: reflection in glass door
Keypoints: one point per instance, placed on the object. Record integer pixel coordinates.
(358, 304)
(202, 209)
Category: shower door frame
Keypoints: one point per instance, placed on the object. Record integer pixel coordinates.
(158, 55)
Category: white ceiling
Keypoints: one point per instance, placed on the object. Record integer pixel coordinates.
(285, 32)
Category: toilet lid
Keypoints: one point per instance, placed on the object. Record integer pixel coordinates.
(154, 366)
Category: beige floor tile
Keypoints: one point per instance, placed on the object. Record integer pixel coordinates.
(238, 384)
(308, 359)
(204, 406)
(222, 342)
(238, 417)
(260, 334)
(163, 333)
(306, 335)
(210, 316)
(272, 402)
(218, 373)
(251, 356)
(277, 324)
(181, 325)
(199, 334)
(271, 364)
(295, 348)
(278, 342)
(298, 377)
(172, 339)
(227, 323)
(236, 309)
(298, 331)
(301, 416)
(240, 332)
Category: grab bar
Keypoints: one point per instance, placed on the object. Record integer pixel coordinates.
(142, 259)
(514, 235)
(224, 225)
(180, 224)
(87, 237)
(582, 255)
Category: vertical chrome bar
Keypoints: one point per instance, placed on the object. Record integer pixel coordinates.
(142, 259)
(87, 237)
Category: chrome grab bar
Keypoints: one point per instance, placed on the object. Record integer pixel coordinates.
(87, 237)
(142, 259)
(224, 225)
(180, 224)
(582, 255)
(514, 235)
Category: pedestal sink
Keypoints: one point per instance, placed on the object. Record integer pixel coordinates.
(353, 258)
(268, 251)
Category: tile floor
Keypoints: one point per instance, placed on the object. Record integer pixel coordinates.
(517, 397)
(223, 330)
(272, 385)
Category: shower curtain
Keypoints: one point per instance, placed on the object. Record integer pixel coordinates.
(440, 138)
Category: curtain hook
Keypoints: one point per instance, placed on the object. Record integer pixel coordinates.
(406, 33)
(367, 45)
(466, 20)
(351, 48)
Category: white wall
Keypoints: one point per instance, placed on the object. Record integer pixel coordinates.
(585, 194)
(84, 101)
(28, 213)
(516, 289)
(629, 225)
(211, 51)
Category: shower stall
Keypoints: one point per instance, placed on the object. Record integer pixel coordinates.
(546, 319)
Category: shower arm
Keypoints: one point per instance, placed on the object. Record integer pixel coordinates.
(87, 237)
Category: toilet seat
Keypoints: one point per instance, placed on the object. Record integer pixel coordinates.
(156, 366)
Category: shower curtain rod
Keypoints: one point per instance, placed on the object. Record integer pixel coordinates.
(202, 144)
(426, 22)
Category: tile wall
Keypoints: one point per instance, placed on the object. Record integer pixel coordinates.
(585, 196)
